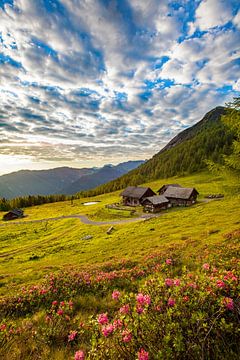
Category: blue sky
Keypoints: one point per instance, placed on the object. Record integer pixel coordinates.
(89, 82)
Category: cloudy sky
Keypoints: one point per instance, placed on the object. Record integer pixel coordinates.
(90, 82)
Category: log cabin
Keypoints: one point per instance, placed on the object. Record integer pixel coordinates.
(156, 203)
(13, 214)
(179, 196)
(134, 195)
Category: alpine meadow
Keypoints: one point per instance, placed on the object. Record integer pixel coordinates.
(119, 180)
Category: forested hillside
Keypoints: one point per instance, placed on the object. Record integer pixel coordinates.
(187, 153)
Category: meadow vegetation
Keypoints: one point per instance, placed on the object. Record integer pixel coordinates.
(165, 288)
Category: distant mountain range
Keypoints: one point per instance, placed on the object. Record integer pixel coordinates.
(186, 153)
(62, 180)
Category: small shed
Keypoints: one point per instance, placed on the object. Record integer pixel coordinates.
(162, 190)
(156, 203)
(134, 195)
(179, 196)
(13, 214)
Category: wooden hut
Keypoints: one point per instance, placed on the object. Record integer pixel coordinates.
(13, 214)
(162, 190)
(156, 203)
(134, 195)
(179, 196)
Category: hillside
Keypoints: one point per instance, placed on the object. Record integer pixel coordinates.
(184, 154)
(69, 288)
(63, 180)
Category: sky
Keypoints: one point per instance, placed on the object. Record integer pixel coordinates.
(89, 82)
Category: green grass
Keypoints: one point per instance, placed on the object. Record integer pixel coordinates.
(30, 251)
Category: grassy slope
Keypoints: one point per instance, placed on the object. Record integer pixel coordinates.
(60, 244)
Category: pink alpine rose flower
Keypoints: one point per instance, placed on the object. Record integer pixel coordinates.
(228, 303)
(127, 336)
(103, 319)
(143, 355)
(169, 282)
(124, 309)
(206, 266)
(177, 282)
(116, 295)
(72, 336)
(171, 302)
(169, 261)
(79, 355)
(107, 330)
(220, 284)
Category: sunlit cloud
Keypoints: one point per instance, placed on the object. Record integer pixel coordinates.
(92, 81)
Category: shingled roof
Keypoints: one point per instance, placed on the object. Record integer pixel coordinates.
(179, 192)
(164, 187)
(157, 200)
(135, 192)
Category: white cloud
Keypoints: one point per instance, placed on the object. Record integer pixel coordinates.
(211, 13)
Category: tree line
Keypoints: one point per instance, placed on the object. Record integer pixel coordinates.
(33, 200)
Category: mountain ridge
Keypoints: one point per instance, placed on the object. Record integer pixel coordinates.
(186, 153)
(58, 180)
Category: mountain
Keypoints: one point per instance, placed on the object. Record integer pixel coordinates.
(63, 180)
(101, 176)
(186, 153)
(41, 182)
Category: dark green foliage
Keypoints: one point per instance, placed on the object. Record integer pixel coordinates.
(32, 200)
(185, 154)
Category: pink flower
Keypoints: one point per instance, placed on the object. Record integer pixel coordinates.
(140, 298)
(169, 282)
(177, 282)
(186, 298)
(139, 309)
(228, 302)
(54, 303)
(72, 335)
(206, 266)
(60, 312)
(107, 330)
(116, 295)
(220, 284)
(118, 324)
(169, 261)
(171, 302)
(143, 299)
(3, 327)
(79, 355)
(62, 303)
(102, 319)
(143, 355)
(127, 336)
(124, 309)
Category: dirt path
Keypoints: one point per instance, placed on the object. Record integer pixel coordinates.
(84, 219)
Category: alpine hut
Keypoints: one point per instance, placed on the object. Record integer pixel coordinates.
(179, 196)
(13, 214)
(134, 195)
(156, 203)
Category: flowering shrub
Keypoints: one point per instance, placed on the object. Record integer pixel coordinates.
(172, 318)
(157, 310)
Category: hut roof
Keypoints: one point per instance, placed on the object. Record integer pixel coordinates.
(165, 186)
(136, 192)
(18, 212)
(179, 192)
(157, 200)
